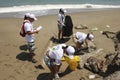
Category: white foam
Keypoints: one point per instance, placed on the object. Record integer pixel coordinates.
(47, 7)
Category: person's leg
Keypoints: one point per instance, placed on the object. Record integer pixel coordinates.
(59, 66)
(51, 72)
(49, 65)
(56, 74)
(59, 35)
(31, 48)
(60, 32)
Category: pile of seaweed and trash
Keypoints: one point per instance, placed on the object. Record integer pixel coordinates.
(109, 67)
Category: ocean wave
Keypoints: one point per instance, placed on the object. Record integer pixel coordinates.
(49, 7)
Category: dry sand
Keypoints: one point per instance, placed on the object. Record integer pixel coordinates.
(13, 64)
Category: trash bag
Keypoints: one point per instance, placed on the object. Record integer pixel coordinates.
(73, 63)
(68, 28)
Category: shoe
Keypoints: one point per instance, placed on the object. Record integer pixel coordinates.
(57, 77)
(34, 61)
(39, 67)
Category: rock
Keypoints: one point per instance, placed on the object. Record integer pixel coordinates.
(94, 64)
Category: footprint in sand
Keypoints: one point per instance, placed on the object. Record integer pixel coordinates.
(12, 78)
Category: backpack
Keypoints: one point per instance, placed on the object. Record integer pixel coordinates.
(22, 31)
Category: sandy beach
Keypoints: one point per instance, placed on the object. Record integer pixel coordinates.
(13, 62)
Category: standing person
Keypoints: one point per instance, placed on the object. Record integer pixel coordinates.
(79, 38)
(28, 26)
(60, 23)
(54, 56)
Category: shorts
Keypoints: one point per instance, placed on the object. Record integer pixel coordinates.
(31, 46)
(48, 62)
(60, 27)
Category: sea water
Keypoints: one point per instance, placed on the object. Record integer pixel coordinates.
(17, 8)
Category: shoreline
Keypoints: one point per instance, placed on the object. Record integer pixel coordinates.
(39, 13)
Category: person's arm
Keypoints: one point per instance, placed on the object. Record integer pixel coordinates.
(27, 27)
(29, 32)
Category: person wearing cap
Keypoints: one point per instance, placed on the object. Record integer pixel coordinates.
(54, 56)
(26, 16)
(28, 27)
(60, 22)
(79, 38)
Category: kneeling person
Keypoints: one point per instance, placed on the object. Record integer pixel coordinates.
(54, 56)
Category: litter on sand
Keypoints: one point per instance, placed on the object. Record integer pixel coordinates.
(91, 76)
(94, 29)
(107, 26)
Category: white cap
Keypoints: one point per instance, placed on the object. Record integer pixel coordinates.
(32, 16)
(91, 37)
(63, 10)
(70, 50)
(27, 14)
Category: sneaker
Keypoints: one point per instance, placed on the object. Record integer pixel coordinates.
(57, 76)
(34, 61)
(39, 67)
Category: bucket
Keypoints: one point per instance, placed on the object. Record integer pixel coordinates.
(77, 58)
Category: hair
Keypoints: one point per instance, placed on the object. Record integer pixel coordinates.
(88, 35)
(65, 47)
(25, 17)
(61, 11)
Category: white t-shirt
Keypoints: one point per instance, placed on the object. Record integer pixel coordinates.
(28, 27)
(56, 53)
(61, 19)
(81, 36)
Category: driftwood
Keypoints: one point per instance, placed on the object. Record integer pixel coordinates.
(94, 65)
(115, 36)
(104, 67)
(113, 69)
